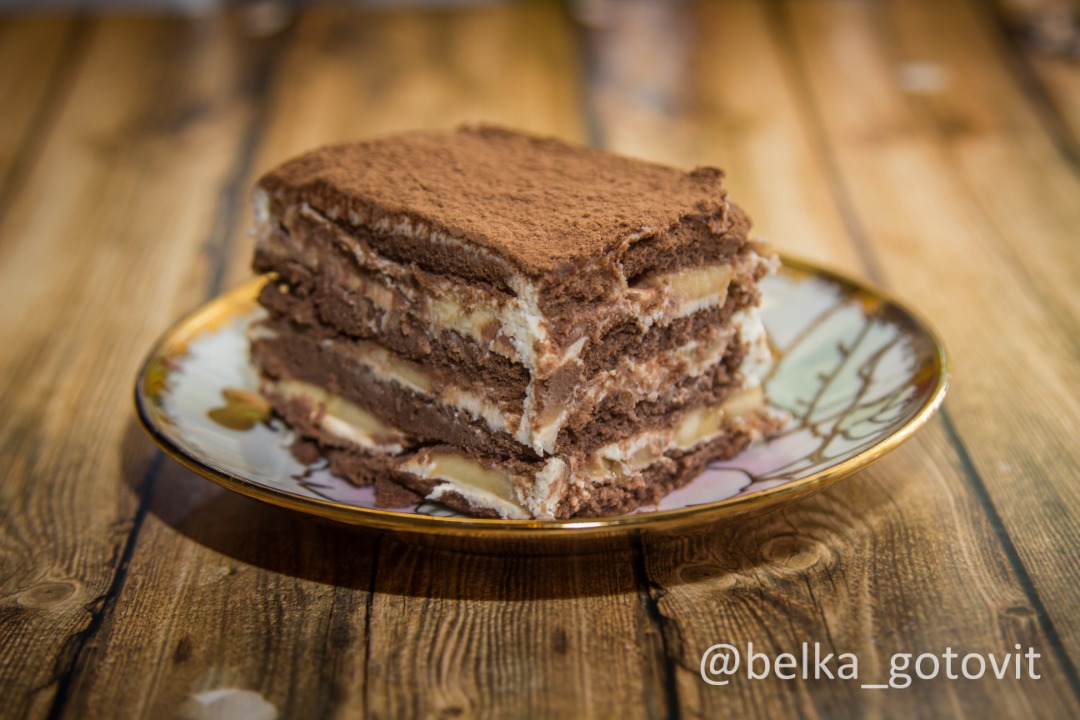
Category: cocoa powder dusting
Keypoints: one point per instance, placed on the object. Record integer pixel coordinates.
(538, 203)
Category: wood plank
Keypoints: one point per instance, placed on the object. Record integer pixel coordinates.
(295, 625)
(1060, 80)
(1014, 404)
(905, 556)
(1042, 41)
(30, 91)
(358, 76)
(230, 607)
(989, 126)
(222, 596)
(898, 559)
(706, 104)
(93, 252)
(478, 635)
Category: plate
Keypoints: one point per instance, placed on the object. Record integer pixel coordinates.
(857, 372)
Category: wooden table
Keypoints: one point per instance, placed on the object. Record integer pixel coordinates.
(916, 144)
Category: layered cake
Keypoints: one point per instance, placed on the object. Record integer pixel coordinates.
(507, 324)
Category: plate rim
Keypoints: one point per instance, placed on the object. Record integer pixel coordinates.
(660, 520)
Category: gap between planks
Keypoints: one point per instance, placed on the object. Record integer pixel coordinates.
(1056, 129)
(219, 243)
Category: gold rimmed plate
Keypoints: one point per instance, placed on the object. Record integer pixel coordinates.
(857, 372)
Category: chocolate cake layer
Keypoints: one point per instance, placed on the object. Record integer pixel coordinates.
(424, 402)
(626, 352)
(528, 204)
(357, 291)
(562, 331)
(536, 324)
(315, 300)
(615, 479)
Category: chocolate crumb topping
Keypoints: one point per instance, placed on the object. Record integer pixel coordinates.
(539, 203)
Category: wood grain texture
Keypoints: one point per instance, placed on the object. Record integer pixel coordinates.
(394, 631)
(990, 131)
(910, 142)
(824, 571)
(484, 636)
(701, 106)
(30, 97)
(870, 567)
(93, 252)
(1059, 79)
(1046, 69)
(351, 76)
(224, 595)
(1014, 399)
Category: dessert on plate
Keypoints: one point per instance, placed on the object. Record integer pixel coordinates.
(508, 324)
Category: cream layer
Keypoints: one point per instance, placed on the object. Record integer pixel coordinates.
(516, 495)
(334, 415)
(511, 325)
(646, 379)
(498, 486)
(389, 367)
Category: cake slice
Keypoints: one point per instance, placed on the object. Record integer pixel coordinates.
(508, 324)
